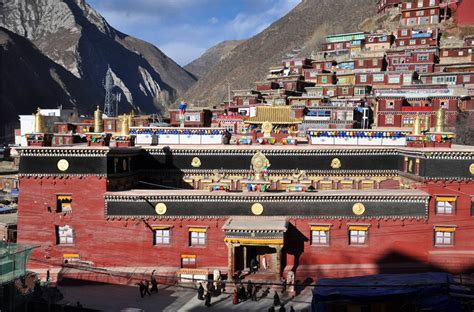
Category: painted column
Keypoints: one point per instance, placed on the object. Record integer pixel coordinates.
(230, 259)
(278, 261)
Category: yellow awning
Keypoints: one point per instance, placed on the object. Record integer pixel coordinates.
(160, 227)
(254, 241)
(64, 197)
(188, 256)
(445, 229)
(446, 198)
(70, 255)
(320, 228)
(358, 228)
(198, 229)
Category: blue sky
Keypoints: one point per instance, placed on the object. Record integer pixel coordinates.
(184, 29)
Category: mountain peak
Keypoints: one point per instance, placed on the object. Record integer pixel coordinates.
(72, 34)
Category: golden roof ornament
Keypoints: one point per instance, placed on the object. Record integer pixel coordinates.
(125, 129)
(130, 119)
(417, 126)
(259, 164)
(267, 129)
(98, 122)
(336, 163)
(427, 122)
(440, 119)
(216, 176)
(39, 122)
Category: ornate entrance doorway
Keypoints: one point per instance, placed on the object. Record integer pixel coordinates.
(255, 241)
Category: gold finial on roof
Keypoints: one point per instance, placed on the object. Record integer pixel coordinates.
(427, 125)
(98, 122)
(125, 125)
(259, 164)
(39, 122)
(440, 119)
(417, 126)
(267, 129)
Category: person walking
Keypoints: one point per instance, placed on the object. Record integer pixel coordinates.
(208, 299)
(243, 293)
(200, 292)
(276, 299)
(282, 308)
(235, 299)
(271, 309)
(253, 265)
(249, 288)
(154, 283)
(254, 293)
(147, 288)
(292, 309)
(141, 287)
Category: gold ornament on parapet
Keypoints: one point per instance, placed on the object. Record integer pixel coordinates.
(196, 162)
(358, 209)
(336, 163)
(259, 164)
(471, 168)
(257, 209)
(160, 208)
(63, 164)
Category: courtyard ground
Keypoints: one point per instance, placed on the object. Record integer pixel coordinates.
(169, 298)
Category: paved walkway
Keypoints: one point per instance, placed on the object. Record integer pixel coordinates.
(169, 298)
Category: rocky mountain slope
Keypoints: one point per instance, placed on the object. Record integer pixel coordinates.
(202, 65)
(298, 33)
(29, 79)
(75, 36)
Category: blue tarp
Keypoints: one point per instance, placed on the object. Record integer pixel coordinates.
(7, 209)
(429, 289)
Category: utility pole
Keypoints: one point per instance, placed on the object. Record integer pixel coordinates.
(109, 96)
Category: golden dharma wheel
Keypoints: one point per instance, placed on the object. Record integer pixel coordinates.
(358, 209)
(160, 208)
(257, 209)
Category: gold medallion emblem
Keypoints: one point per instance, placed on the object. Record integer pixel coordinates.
(160, 208)
(471, 168)
(358, 209)
(335, 163)
(63, 164)
(257, 209)
(196, 162)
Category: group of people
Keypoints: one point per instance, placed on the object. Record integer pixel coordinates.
(242, 294)
(213, 289)
(144, 286)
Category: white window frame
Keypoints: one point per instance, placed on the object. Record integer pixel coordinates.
(466, 78)
(65, 235)
(319, 237)
(393, 79)
(445, 207)
(443, 238)
(378, 78)
(358, 237)
(197, 238)
(451, 80)
(162, 237)
(363, 78)
(389, 119)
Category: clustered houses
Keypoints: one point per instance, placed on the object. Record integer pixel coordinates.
(397, 74)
